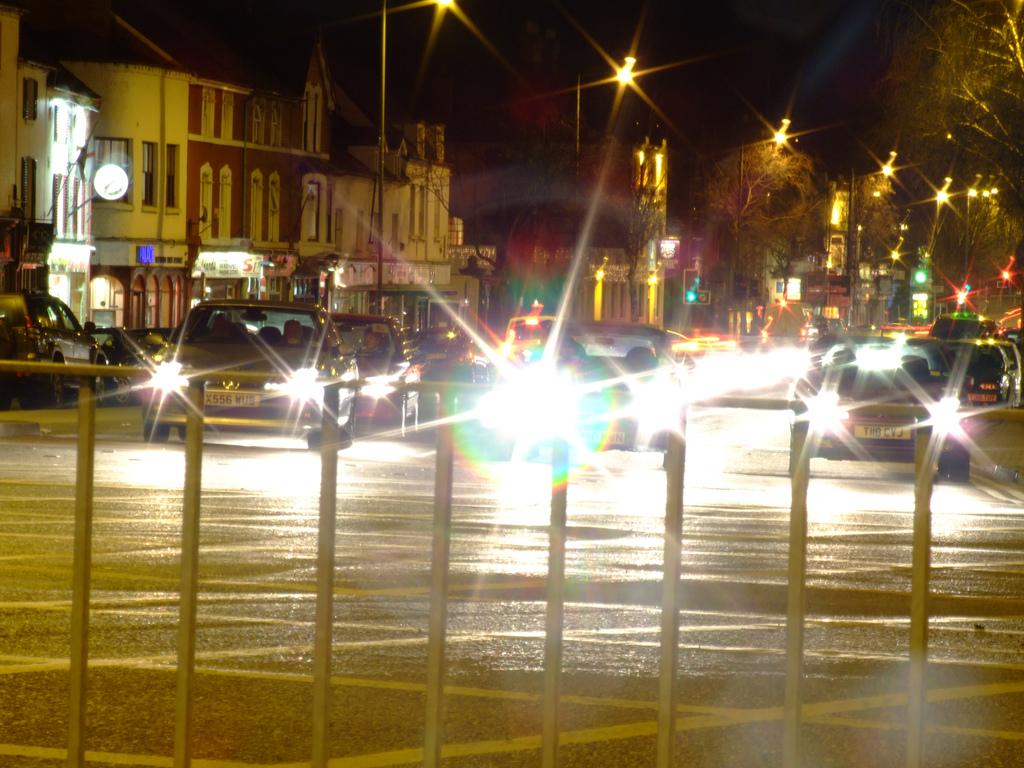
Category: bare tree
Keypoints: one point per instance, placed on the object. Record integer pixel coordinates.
(768, 197)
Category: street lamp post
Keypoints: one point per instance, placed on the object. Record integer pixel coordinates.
(382, 143)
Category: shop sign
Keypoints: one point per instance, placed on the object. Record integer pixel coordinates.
(69, 257)
(110, 181)
(280, 264)
(229, 264)
(669, 250)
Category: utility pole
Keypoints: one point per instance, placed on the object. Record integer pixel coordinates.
(380, 157)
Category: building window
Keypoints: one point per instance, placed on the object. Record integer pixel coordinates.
(311, 120)
(274, 209)
(61, 125)
(148, 173)
(339, 229)
(171, 198)
(28, 187)
(209, 106)
(256, 206)
(394, 232)
(412, 213)
(312, 211)
(257, 123)
(360, 231)
(422, 212)
(76, 207)
(115, 152)
(275, 125)
(227, 115)
(205, 199)
(224, 203)
(437, 218)
(29, 98)
(59, 213)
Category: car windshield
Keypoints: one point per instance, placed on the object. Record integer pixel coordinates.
(370, 337)
(226, 324)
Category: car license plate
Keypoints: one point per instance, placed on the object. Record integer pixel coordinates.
(977, 397)
(232, 399)
(882, 431)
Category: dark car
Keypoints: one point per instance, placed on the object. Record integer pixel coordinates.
(385, 364)
(126, 348)
(989, 371)
(41, 328)
(444, 354)
(857, 373)
(601, 386)
(296, 348)
(965, 325)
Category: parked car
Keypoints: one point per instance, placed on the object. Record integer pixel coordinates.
(296, 348)
(965, 325)
(385, 364)
(858, 372)
(39, 327)
(126, 348)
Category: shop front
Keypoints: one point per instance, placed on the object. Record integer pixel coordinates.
(417, 294)
(68, 278)
(227, 275)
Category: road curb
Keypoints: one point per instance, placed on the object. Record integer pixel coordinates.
(17, 428)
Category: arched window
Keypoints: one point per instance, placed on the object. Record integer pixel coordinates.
(166, 305)
(256, 206)
(138, 302)
(206, 201)
(152, 299)
(274, 209)
(224, 204)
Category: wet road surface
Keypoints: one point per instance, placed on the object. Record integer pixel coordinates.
(257, 580)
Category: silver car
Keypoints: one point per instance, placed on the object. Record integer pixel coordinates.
(296, 346)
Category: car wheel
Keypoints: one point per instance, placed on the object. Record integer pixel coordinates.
(117, 392)
(314, 439)
(955, 465)
(155, 432)
(58, 391)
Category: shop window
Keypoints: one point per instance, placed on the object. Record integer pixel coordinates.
(164, 306)
(152, 301)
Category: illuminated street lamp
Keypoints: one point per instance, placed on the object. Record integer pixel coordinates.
(942, 195)
(624, 74)
(781, 136)
(887, 169)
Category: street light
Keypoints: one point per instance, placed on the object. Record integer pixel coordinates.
(887, 169)
(780, 135)
(624, 74)
(381, 147)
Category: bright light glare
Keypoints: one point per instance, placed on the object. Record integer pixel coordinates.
(883, 358)
(536, 404)
(945, 415)
(656, 405)
(301, 386)
(167, 378)
(625, 73)
(824, 414)
(380, 386)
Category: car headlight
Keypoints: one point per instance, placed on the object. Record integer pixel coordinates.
(945, 415)
(824, 414)
(536, 403)
(302, 386)
(380, 386)
(167, 378)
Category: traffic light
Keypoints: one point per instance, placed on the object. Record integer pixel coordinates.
(921, 275)
(691, 296)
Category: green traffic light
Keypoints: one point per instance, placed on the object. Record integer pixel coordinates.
(691, 296)
(921, 276)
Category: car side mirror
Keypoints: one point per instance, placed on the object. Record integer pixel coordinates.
(90, 326)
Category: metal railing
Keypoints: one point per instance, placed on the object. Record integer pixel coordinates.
(925, 454)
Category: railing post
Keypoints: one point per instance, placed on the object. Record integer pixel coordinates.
(668, 688)
(81, 570)
(330, 436)
(553, 622)
(189, 575)
(800, 468)
(434, 731)
(924, 453)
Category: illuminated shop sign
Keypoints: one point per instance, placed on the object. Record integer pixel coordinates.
(229, 264)
(69, 257)
(110, 181)
(145, 254)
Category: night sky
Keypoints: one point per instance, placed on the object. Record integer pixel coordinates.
(736, 63)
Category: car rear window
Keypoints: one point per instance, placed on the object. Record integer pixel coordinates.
(234, 324)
